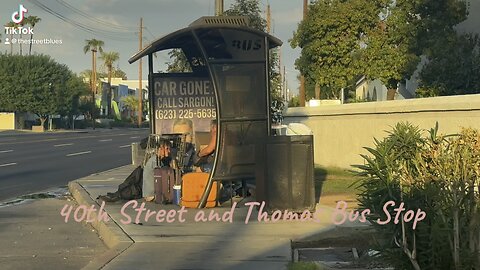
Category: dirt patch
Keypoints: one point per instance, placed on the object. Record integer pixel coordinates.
(360, 237)
(333, 199)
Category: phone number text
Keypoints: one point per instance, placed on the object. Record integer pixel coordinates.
(185, 114)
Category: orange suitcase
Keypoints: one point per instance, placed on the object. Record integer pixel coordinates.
(193, 186)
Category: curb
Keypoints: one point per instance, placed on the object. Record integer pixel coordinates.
(111, 234)
(98, 173)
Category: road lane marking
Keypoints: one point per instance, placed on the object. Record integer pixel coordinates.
(64, 144)
(106, 140)
(79, 153)
(124, 146)
(8, 164)
(69, 138)
(135, 137)
(6, 151)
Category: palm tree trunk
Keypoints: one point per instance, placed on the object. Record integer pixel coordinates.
(11, 44)
(30, 49)
(93, 89)
(94, 71)
(20, 43)
(109, 96)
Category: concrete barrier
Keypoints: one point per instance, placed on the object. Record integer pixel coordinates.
(137, 154)
(341, 131)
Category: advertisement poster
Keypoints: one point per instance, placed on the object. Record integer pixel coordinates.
(180, 101)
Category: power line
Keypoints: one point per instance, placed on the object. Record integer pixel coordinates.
(153, 36)
(82, 26)
(96, 20)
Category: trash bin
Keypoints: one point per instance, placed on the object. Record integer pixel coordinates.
(284, 179)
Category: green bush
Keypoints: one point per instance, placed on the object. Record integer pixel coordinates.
(439, 175)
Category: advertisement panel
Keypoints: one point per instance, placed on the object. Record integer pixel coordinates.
(182, 103)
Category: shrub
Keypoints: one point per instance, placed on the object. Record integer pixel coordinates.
(437, 174)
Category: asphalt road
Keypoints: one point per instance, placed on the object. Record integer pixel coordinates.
(32, 162)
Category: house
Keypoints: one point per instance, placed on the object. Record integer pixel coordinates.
(375, 90)
(120, 88)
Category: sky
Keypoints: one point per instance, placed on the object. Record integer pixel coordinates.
(116, 22)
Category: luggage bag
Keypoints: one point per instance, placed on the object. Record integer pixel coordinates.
(164, 180)
(193, 186)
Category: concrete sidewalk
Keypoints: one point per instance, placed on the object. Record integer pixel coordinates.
(34, 236)
(189, 244)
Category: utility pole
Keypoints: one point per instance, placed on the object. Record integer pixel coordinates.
(282, 76)
(269, 19)
(218, 7)
(280, 60)
(140, 86)
(94, 84)
(302, 78)
(284, 84)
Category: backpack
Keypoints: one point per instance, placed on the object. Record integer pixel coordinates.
(130, 189)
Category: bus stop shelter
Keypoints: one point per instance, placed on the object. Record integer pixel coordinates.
(229, 82)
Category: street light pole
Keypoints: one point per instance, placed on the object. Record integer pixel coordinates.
(140, 86)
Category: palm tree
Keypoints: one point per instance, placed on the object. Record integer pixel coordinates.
(93, 45)
(118, 73)
(109, 58)
(131, 102)
(21, 24)
(32, 20)
(12, 25)
(87, 74)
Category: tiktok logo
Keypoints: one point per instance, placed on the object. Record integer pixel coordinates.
(18, 16)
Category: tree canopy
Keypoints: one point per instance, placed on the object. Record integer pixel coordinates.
(179, 62)
(109, 58)
(330, 40)
(39, 85)
(381, 39)
(453, 68)
(250, 9)
(131, 103)
(93, 45)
